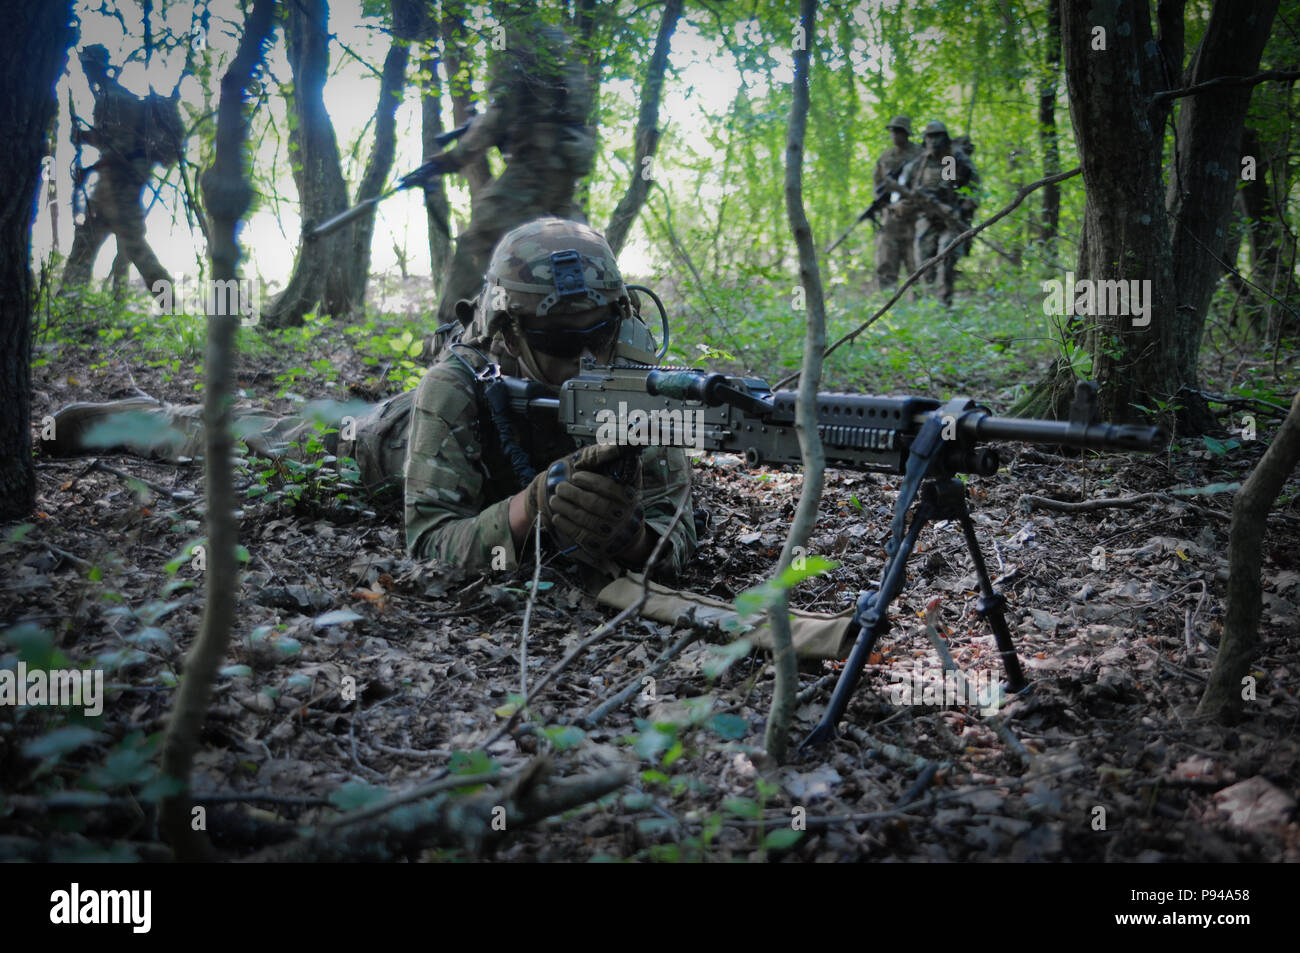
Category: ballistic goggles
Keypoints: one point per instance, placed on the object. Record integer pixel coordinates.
(571, 342)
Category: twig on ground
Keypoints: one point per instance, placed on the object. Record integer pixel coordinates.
(528, 608)
(184, 496)
(593, 718)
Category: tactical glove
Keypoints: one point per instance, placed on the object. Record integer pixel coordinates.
(601, 515)
(539, 495)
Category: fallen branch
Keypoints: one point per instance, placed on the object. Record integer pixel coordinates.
(469, 823)
(1028, 502)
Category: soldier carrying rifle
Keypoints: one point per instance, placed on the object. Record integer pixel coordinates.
(939, 185)
(894, 240)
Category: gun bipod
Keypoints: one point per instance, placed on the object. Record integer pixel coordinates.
(941, 499)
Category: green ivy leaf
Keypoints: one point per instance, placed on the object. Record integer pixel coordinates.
(724, 656)
(729, 726)
(782, 838)
(1208, 490)
(60, 741)
(564, 737)
(356, 794)
(742, 807)
(471, 762)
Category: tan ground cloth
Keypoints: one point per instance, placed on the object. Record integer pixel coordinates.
(815, 634)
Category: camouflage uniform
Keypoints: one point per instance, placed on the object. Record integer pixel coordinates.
(132, 135)
(935, 232)
(458, 478)
(537, 118)
(894, 239)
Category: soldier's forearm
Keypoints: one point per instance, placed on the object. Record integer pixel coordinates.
(475, 543)
(518, 519)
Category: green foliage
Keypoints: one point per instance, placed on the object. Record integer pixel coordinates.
(763, 597)
(320, 483)
(356, 794)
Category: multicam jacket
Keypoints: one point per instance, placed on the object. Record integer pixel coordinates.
(459, 481)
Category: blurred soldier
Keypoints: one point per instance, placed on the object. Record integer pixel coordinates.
(942, 180)
(132, 135)
(540, 100)
(894, 239)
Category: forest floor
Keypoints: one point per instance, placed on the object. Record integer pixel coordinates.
(1115, 612)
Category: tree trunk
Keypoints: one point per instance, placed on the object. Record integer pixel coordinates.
(1272, 244)
(380, 164)
(1125, 231)
(1146, 360)
(777, 736)
(586, 25)
(1048, 139)
(414, 22)
(227, 195)
(314, 155)
(460, 78)
(35, 47)
(1209, 167)
(1240, 642)
(647, 132)
(436, 207)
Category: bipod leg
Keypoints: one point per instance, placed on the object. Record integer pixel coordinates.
(872, 620)
(992, 604)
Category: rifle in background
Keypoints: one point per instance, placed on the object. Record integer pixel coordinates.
(420, 176)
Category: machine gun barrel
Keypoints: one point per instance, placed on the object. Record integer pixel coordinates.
(1097, 436)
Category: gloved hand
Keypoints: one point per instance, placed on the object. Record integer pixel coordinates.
(540, 494)
(603, 516)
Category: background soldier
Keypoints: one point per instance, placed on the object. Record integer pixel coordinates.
(944, 177)
(894, 239)
(538, 119)
(132, 135)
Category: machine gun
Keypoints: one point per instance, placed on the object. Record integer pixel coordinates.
(927, 441)
(409, 181)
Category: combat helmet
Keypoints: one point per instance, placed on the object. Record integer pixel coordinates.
(549, 266)
(934, 126)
